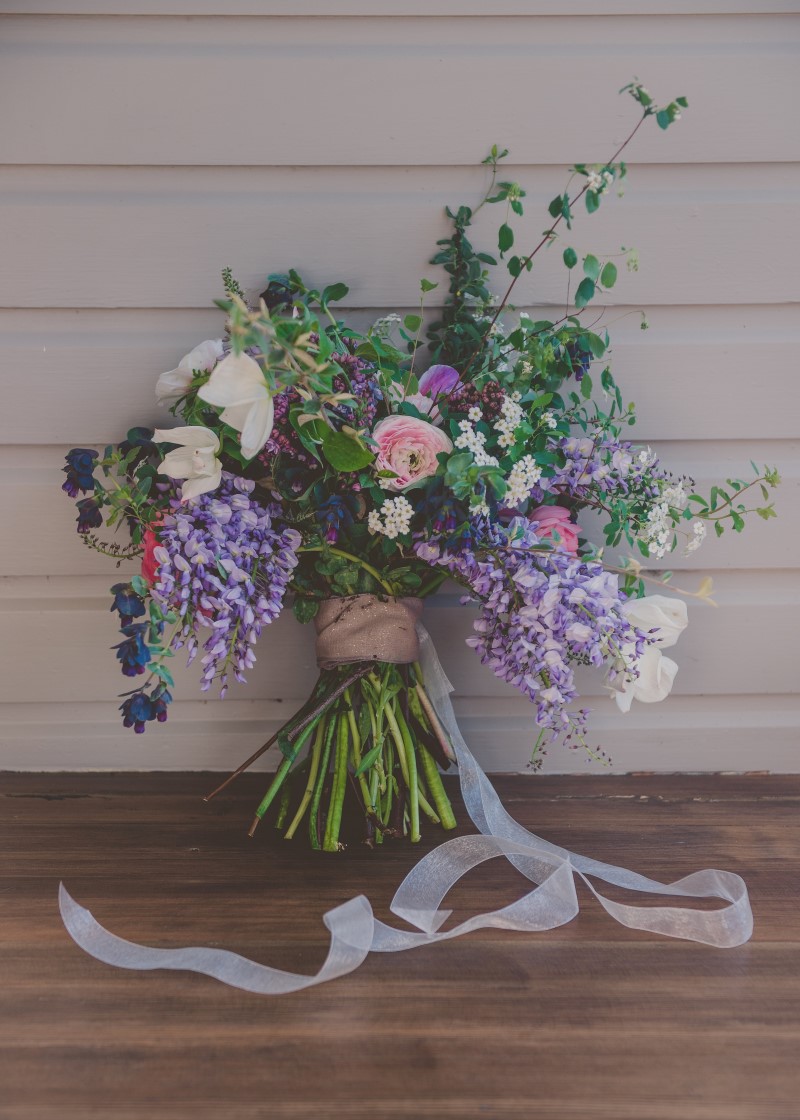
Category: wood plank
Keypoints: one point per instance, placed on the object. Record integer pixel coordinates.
(99, 368)
(159, 237)
(651, 1018)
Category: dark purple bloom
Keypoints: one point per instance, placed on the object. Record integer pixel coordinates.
(439, 381)
(334, 515)
(136, 711)
(89, 515)
(79, 471)
(133, 653)
(127, 603)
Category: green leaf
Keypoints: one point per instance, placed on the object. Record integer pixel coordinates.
(608, 277)
(664, 121)
(586, 386)
(412, 323)
(305, 609)
(585, 292)
(333, 293)
(427, 285)
(369, 758)
(570, 258)
(140, 585)
(514, 266)
(591, 266)
(592, 201)
(554, 209)
(345, 453)
(505, 238)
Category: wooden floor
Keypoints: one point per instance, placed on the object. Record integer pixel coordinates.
(589, 1021)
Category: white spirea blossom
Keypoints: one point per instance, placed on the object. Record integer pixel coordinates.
(473, 440)
(523, 477)
(511, 416)
(698, 536)
(393, 519)
(658, 530)
(599, 181)
(549, 419)
(675, 495)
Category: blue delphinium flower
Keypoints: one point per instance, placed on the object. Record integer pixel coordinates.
(79, 471)
(334, 515)
(133, 653)
(89, 515)
(127, 603)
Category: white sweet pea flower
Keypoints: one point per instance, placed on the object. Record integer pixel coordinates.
(194, 460)
(665, 619)
(173, 384)
(238, 387)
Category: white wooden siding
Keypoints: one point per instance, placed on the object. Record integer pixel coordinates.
(145, 144)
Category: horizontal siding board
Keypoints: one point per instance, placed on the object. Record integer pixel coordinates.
(80, 97)
(77, 627)
(99, 369)
(109, 237)
(382, 8)
(43, 541)
(685, 733)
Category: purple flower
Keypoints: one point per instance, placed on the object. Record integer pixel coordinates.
(136, 711)
(89, 515)
(223, 568)
(79, 471)
(127, 603)
(133, 653)
(439, 381)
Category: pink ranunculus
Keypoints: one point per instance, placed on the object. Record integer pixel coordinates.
(553, 524)
(408, 447)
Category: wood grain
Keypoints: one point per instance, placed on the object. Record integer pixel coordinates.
(588, 1022)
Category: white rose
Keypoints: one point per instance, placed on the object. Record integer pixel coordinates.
(194, 459)
(174, 384)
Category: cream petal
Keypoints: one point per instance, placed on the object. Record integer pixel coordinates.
(237, 378)
(258, 426)
(204, 356)
(172, 385)
(235, 415)
(194, 487)
(194, 435)
(178, 463)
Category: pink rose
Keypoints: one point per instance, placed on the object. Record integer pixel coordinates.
(553, 524)
(408, 447)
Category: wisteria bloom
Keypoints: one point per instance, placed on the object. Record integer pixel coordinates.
(224, 564)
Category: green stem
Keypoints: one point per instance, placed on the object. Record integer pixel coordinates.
(420, 799)
(312, 777)
(334, 821)
(281, 775)
(356, 560)
(436, 788)
(313, 819)
(356, 740)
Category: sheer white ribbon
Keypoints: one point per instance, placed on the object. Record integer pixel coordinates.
(552, 902)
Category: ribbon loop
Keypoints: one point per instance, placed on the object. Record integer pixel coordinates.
(552, 902)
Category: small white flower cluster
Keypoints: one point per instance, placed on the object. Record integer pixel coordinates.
(675, 495)
(393, 519)
(384, 326)
(658, 530)
(475, 414)
(549, 419)
(511, 416)
(473, 440)
(647, 457)
(523, 477)
(599, 181)
(697, 537)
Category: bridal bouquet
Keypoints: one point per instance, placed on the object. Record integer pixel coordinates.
(351, 473)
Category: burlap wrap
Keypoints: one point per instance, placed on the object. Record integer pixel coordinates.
(366, 628)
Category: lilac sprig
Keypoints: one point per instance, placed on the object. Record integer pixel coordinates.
(542, 612)
(224, 566)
